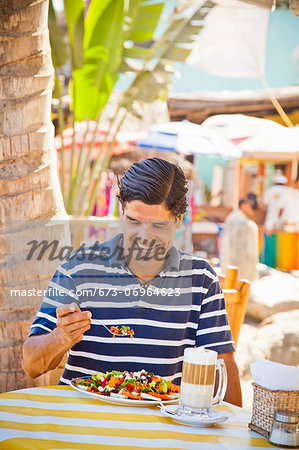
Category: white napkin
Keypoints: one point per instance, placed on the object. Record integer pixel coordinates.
(275, 376)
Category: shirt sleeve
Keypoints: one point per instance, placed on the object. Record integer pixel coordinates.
(213, 330)
(61, 291)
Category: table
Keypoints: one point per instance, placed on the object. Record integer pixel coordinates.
(58, 417)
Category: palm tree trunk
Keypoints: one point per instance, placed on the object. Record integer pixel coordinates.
(29, 190)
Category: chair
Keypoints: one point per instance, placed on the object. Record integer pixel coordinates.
(236, 293)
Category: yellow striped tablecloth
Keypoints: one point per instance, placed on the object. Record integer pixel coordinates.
(58, 417)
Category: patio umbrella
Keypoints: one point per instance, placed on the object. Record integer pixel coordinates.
(281, 144)
(189, 139)
(237, 127)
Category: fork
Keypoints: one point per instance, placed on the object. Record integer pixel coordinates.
(98, 322)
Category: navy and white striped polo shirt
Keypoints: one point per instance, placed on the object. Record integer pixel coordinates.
(181, 307)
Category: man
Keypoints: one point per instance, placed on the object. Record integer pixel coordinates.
(170, 299)
(240, 240)
(273, 201)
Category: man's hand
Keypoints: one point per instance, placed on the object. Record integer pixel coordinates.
(44, 352)
(72, 323)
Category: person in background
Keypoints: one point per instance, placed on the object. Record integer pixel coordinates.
(240, 239)
(274, 201)
(290, 213)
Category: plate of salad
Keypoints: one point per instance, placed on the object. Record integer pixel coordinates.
(129, 388)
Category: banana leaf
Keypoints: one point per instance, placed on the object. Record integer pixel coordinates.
(58, 45)
(74, 13)
(144, 17)
(94, 81)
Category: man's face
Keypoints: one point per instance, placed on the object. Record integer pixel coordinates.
(149, 231)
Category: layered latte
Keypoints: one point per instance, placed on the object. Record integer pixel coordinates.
(198, 378)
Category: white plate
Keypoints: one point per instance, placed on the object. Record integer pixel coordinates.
(125, 401)
(215, 417)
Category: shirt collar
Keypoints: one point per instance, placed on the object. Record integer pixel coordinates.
(172, 260)
(115, 251)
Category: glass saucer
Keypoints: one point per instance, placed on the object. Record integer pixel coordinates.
(196, 420)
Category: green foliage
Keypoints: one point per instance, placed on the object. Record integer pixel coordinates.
(99, 45)
(74, 13)
(94, 81)
(152, 79)
(58, 46)
(142, 19)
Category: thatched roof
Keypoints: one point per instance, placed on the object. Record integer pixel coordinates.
(198, 106)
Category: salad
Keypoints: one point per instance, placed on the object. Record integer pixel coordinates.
(123, 331)
(140, 385)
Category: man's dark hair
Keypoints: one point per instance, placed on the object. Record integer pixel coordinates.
(155, 181)
(252, 198)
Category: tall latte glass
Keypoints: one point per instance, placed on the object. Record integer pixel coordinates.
(198, 381)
